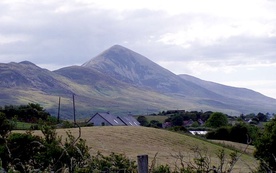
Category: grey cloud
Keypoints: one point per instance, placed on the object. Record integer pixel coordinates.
(74, 36)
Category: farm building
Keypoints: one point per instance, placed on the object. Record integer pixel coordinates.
(108, 119)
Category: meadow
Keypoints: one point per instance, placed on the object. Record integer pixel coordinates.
(134, 141)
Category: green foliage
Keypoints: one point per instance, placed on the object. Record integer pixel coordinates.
(177, 120)
(25, 152)
(5, 126)
(155, 123)
(186, 118)
(180, 129)
(217, 119)
(67, 124)
(240, 132)
(24, 126)
(112, 163)
(28, 113)
(221, 133)
(195, 124)
(143, 121)
(262, 117)
(161, 169)
(186, 115)
(266, 146)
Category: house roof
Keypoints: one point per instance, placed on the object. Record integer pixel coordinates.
(129, 120)
(113, 120)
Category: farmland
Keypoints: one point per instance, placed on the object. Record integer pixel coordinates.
(133, 141)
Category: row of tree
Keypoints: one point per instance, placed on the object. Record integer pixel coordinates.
(31, 113)
(187, 115)
(240, 132)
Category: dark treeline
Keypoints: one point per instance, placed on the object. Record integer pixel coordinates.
(30, 113)
(240, 132)
(188, 115)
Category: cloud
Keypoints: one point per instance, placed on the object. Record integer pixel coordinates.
(196, 37)
(77, 30)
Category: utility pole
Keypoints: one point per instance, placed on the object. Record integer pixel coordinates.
(58, 118)
(74, 110)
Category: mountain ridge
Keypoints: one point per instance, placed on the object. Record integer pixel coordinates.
(121, 80)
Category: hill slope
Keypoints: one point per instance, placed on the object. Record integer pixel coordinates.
(245, 98)
(133, 141)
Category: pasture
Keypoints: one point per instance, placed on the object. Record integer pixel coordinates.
(133, 141)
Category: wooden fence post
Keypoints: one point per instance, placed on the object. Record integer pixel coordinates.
(142, 164)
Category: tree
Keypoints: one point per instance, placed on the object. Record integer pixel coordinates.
(262, 117)
(177, 120)
(221, 133)
(143, 121)
(217, 119)
(239, 133)
(266, 146)
(5, 125)
(27, 113)
(155, 123)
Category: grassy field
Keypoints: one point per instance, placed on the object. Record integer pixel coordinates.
(23, 125)
(160, 118)
(133, 141)
(240, 147)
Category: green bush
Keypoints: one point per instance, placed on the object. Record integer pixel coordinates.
(112, 163)
(217, 119)
(240, 132)
(162, 169)
(180, 129)
(266, 147)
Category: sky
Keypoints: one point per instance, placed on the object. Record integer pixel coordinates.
(231, 42)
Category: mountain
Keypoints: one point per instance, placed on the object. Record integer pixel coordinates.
(130, 67)
(135, 69)
(228, 91)
(243, 99)
(121, 80)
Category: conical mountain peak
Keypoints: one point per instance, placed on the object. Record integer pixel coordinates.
(117, 54)
(128, 66)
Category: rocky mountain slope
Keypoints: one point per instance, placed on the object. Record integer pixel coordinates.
(121, 80)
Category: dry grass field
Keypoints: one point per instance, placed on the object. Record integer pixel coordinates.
(133, 141)
(238, 146)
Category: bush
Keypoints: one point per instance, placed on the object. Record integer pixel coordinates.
(241, 133)
(180, 129)
(161, 169)
(112, 163)
(266, 147)
(219, 134)
(217, 119)
(25, 152)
